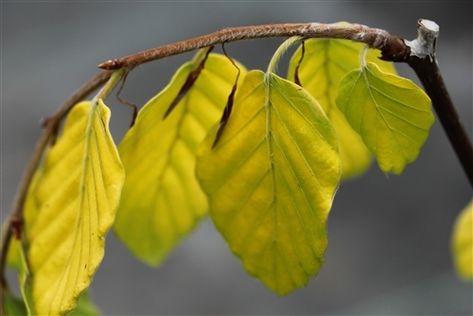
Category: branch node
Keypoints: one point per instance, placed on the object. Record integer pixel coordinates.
(394, 49)
(45, 121)
(111, 64)
(16, 224)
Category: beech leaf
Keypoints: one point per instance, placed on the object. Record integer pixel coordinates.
(271, 180)
(462, 243)
(162, 200)
(76, 197)
(392, 114)
(13, 306)
(324, 63)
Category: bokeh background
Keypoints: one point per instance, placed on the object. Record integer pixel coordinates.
(389, 235)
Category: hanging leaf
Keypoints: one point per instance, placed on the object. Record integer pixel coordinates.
(75, 201)
(13, 306)
(392, 115)
(16, 260)
(162, 200)
(324, 63)
(271, 179)
(462, 243)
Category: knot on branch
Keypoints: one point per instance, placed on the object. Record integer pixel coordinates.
(394, 49)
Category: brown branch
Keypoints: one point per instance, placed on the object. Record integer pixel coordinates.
(429, 74)
(50, 127)
(419, 54)
(392, 47)
(423, 61)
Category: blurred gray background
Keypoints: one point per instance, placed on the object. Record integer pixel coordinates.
(389, 236)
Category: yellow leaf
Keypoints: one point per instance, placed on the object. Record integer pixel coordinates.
(162, 200)
(271, 179)
(392, 115)
(325, 63)
(13, 255)
(77, 194)
(31, 208)
(462, 243)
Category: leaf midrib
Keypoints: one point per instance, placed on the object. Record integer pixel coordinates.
(268, 77)
(93, 108)
(377, 107)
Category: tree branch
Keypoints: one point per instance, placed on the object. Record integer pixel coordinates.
(419, 54)
(392, 47)
(423, 61)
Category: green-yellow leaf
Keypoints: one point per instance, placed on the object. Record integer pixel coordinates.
(324, 64)
(13, 306)
(392, 115)
(24, 277)
(77, 194)
(271, 179)
(162, 200)
(462, 243)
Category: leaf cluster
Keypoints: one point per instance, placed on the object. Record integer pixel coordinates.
(261, 154)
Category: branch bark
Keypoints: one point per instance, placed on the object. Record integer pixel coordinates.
(392, 47)
(423, 61)
(429, 74)
(419, 54)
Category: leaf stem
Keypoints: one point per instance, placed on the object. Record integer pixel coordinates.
(116, 76)
(363, 53)
(273, 64)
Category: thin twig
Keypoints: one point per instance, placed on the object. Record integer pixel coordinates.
(392, 47)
